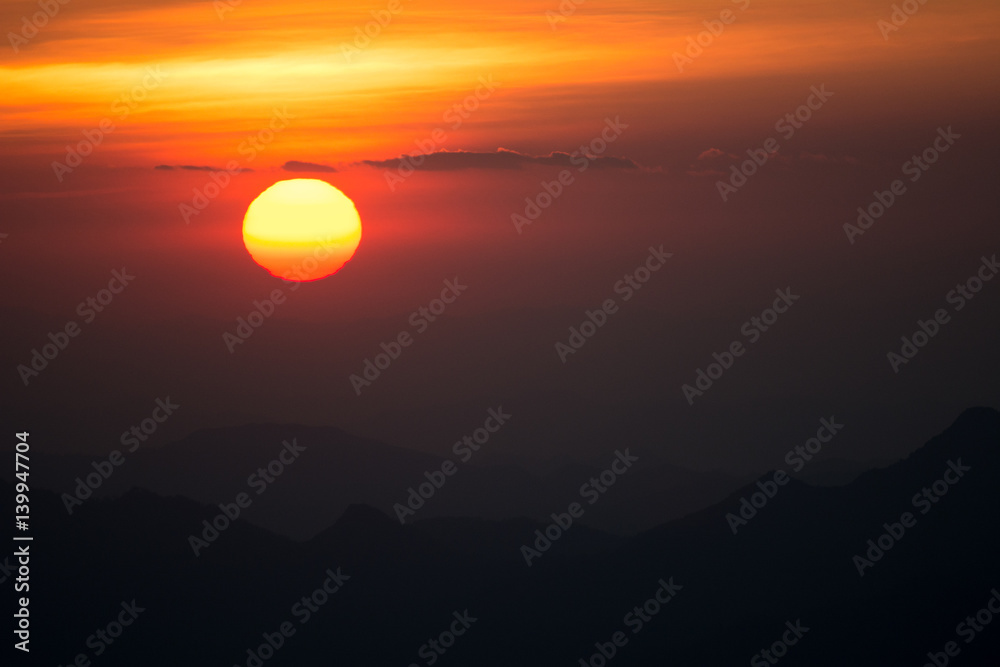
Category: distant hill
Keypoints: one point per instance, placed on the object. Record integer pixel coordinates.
(338, 469)
(790, 566)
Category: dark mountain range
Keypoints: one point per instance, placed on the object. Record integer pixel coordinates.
(787, 582)
(337, 469)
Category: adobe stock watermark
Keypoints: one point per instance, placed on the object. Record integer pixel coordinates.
(581, 158)
(455, 116)
(435, 648)
(901, 13)
(924, 500)
(753, 329)
(779, 648)
(697, 44)
(223, 7)
(958, 297)
(796, 458)
(566, 9)
(463, 449)
(260, 481)
(106, 636)
(7, 569)
(592, 491)
(31, 26)
(22, 622)
(302, 610)
(104, 468)
(249, 148)
(363, 35)
(969, 628)
(915, 167)
(635, 620)
(420, 320)
(631, 283)
(786, 125)
(88, 309)
(121, 108)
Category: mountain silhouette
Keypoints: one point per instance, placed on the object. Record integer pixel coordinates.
(789, 572)
(337, 470)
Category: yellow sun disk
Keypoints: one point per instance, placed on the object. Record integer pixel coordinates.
(301, 229)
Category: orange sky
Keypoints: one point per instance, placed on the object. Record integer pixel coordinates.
(222, 77)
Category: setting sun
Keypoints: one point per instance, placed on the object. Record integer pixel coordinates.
(302, 229)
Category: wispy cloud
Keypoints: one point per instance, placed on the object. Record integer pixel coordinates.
(501, 159)
(295, 165)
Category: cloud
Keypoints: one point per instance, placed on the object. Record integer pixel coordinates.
(711, 162)
(295, 165)
(712, 153)
(501, 159)
(11, 12)
(455, 160)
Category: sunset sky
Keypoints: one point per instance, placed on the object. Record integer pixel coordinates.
(505, 95)
(225, 67)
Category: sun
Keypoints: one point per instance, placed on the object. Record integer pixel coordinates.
(302, 229)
